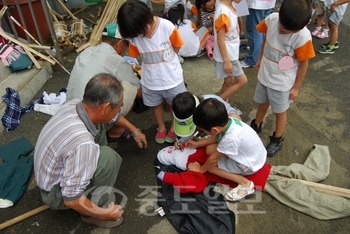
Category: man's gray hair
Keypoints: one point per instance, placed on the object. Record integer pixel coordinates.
(103, 88)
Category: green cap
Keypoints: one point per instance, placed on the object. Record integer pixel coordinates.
(111, 30)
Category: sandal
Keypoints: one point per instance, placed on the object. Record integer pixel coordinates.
(233, 195)
(160, 137)
(125, 136)
(170, 137)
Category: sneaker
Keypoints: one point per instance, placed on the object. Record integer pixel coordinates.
(255, 127)
(108, 224)
(170, 137)
(160, 137)
(274, 146)
(326, 50)
(316, 32)
(322, 35)
(336, 45)
(245, 65)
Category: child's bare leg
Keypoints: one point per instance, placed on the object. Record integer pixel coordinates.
(319, 20)
(281, 122)
(158, 114)
(210, 149)
(228, 89)
(240, 25)
(261, 112)
(227, 84)
(172, 118)
(334, 33)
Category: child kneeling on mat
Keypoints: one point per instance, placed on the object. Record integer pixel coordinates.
(234, 148)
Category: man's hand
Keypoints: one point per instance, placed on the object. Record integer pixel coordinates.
(141, 140)
(115, 211)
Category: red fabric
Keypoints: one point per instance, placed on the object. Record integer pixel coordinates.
(191, 181)
(188, 181)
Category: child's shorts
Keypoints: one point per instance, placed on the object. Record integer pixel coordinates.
(333, 16)
(154, 98)
(220, 73)
(320, 9)
(227, 164)
(279, 100)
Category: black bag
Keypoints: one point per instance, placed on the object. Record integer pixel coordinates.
(139, 107)
(195, 213)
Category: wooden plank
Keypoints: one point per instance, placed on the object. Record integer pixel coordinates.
(37, 65)
(83, 47)
(4, 35)
(87, 19)
(23, 217)
(57, 14)
(78, 11)
(109, 15)
(322, 188)
(39, 46)
(66, 9)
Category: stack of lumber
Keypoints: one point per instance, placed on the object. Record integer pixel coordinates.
(109, 15)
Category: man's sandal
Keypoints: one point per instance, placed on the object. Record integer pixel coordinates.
(233, 195)
(125, 136)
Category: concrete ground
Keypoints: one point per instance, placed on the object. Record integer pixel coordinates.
(321, 115)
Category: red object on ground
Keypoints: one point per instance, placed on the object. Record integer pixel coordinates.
(191, 181)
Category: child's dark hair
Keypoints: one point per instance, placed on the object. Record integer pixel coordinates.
(176, 14)
(183, 105)
(199, 3)
(133, 18)
(294, 15)
(210, 113)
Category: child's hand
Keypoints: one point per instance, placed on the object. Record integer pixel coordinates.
(135, 67)
(192, 144)
(257, 65)
(211, 17)
(333, 6)
(293, 93)
(228, 67)
(194, 167)
(177, 145)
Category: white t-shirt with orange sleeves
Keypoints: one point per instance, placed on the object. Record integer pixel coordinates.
(161, 68)
(282, 53)
(191, 40)
(225, 17)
